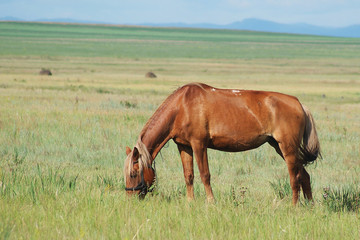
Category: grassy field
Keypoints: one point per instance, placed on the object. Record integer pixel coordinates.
(63, 137)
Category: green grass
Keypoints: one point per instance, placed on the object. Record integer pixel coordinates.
(138, 42)
(63, 137)
(346, 198)
(281, 187)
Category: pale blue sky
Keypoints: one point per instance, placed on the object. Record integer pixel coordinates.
(317, 12)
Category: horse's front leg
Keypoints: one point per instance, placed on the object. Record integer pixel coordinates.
(186, 154)
(203, 165)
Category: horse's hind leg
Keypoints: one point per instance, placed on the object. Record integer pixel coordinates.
(294, 172)
(298, 175)
(203, 165)
(186, 154)
(287, 149)
(301, 175)
(306, 184)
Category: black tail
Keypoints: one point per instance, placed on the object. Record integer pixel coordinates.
(310, 148)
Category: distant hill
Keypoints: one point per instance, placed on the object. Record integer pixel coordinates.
(68, 20)
(54, 20)
(251, 24)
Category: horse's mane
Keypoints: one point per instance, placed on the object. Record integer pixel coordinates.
(144, 158)
(153, 119)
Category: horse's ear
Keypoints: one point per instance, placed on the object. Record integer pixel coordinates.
(128, 150)
(135, 154)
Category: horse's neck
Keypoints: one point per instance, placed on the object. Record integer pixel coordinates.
(154, 141)
(156, 135)
(157, 130)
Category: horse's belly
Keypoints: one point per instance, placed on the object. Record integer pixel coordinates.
(236, 127)
(237, 144)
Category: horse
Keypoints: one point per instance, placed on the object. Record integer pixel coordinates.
(197, 116)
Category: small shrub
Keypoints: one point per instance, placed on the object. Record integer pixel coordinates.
(341, 199)
(101, 91)
(128, 104)
(19, 157)
(238, 197)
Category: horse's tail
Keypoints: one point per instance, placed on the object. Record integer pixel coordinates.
(310, 147)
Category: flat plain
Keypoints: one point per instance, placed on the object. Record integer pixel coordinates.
(63, 137)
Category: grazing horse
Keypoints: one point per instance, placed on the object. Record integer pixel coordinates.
(197, 116)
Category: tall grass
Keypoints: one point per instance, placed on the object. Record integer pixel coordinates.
(281, 187)
(345, 198)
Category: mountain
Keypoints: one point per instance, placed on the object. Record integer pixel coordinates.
(250, 24)
(68, 20)
(298, 28)
(253, 24)
(52, 20)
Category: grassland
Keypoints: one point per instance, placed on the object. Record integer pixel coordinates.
(63, 137)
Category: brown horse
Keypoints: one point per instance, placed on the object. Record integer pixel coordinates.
(197, 116)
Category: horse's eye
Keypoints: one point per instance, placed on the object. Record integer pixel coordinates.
(133, 174)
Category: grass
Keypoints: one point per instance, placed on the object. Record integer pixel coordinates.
(281, 187)
(63, 137)
(346, 198)
(55, 40)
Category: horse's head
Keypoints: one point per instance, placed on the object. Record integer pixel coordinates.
(138, 172)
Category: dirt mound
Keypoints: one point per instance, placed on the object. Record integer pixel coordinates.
(45, 72)
(150, 75)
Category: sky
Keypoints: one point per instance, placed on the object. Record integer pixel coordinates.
(330, 13)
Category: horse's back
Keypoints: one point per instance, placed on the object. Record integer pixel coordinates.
(238, 102)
